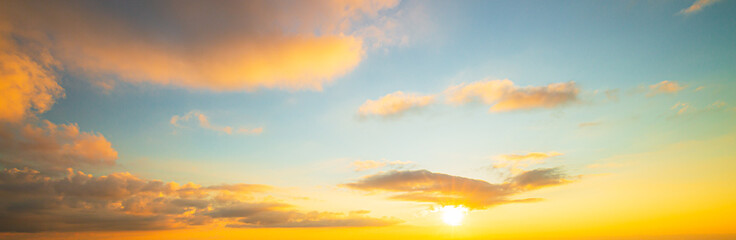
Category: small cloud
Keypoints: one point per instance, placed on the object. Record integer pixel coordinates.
(517, 163)
(504, 96)
(683, 107)
(697, 6)
(205, 123)
(664, 87)
(698, 89)
(394, 103)
(716, 105)
(373, 164)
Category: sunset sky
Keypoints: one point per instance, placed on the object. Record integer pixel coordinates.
(351, 119)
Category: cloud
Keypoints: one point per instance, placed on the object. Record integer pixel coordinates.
(501, 94)
(232, 46)
(394, 104)
(294, 219)
(664, 87)
(697, 6)
(53, 148)
(517, 163)
(683, 107)
(28, 81)
(444, 189)
(373, 164)
(716, 105)
(31, 201)
(528, 156)
(204, 122)
(504, 96)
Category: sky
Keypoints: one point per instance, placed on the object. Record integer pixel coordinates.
(367, 119)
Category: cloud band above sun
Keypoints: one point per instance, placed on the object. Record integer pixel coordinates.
(444, 189)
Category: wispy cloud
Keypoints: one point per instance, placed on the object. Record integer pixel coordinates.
(363, 165)
(444, 189)
(517, 163)
(664, 87)
(204, 122)
(682, 108)
(394, 104)
(697, 6)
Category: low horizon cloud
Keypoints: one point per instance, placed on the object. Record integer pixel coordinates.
(444, 189)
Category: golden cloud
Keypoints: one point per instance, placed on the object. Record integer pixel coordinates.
(28, 83)
(664, 87)
(504, 96)
(697, 6)
(53, 148)
(444, 189)
(394, 103)
(231, 46)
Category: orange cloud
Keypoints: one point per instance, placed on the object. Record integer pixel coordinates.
(28, 83)
(232, 46)
(683, 107)
(53, 148)
(394, 103)
(697, 6)
(664, 87)
(444, 189)
(205, 123)
(504, 96)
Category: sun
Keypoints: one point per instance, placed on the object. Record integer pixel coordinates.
(453, 215)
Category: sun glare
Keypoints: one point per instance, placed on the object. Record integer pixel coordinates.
(453, 215)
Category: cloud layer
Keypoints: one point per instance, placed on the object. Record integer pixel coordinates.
(231, 46)
(33, 202)
(444, 189)
(53, 148)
